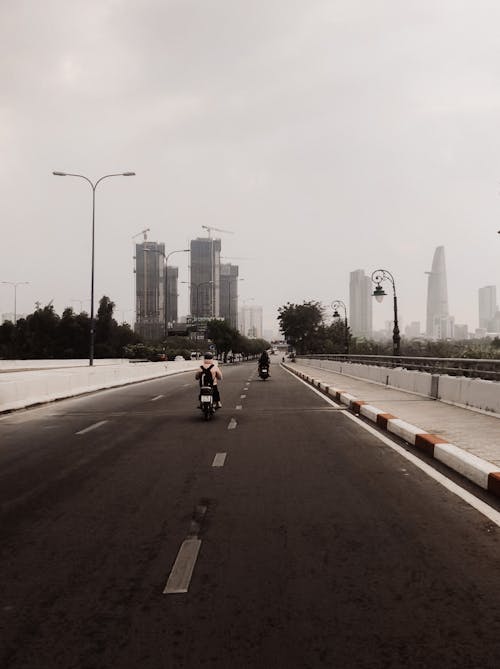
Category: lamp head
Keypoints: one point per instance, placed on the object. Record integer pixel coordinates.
(379, 293)
(128, 174)
(59, 174)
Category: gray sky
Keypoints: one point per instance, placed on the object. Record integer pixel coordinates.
(328, 135)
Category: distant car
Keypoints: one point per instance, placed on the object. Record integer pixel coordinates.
(178, 358)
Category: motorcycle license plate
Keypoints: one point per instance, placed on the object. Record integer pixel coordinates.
(206, 398)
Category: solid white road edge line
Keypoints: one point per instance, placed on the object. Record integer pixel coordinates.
(219, 460)
(180, 576)
(92, 427)
(466, 496)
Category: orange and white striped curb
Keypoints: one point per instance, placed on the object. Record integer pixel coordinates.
(479, 471)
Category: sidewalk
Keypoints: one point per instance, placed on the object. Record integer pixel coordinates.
(465, 440)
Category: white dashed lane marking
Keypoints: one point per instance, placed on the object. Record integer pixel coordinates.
(219, 460)
(158, 397)
(180, 576)
(239, 407)
(232, 424)
(242, 397)
(92, 427)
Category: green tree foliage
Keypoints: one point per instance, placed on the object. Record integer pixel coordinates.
(44, 334)
(304, 329)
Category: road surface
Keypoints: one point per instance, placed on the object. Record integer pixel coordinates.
(297, 538)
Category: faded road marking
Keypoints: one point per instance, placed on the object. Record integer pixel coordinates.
(219, 460)
(242, 397)
(92, 427)
(158, 397)
(239, 407)
(232, 424)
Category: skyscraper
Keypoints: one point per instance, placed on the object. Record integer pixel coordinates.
(250, 322)
(439, 322)
(487, 307)
(205, 277)
(360, 304)
(149, 290)
(172, 295)
(229, 293)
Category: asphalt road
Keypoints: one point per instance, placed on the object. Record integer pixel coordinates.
(320, 545)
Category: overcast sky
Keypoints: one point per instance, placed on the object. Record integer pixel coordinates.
(328, 135)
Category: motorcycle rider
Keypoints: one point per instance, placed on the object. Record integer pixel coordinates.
(264, 361)
(211, 365)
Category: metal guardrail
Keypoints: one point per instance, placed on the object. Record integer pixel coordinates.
(483, 368)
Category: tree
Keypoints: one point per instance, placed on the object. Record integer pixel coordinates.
(301, 324)
(223, 336)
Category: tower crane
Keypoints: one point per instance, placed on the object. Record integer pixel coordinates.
(142, 232)
(209, 229)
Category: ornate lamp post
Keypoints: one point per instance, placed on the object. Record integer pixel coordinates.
(379, 293)
(93, 186)
(335, 306)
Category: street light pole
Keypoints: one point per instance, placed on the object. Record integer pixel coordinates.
(15, 284)
(335, 305)
(93, 186)
(379, 293)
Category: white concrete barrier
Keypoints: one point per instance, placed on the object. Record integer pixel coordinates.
(22, 389)
(460, 390)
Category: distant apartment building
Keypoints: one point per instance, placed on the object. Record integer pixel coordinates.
(228, 293)
(150, 290)
(439, 323)
(487, 307)
(360, 304)
(461, 331)
(413, 329)
(205, 278)
(250, 322)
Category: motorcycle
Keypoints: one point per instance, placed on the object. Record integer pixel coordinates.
(264, 373)
(207, 402)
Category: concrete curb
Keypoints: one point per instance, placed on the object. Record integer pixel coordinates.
(479, 471)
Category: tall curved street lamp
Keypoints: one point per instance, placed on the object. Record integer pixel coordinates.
(15, 284)
(165, 302)
(379, 293)
(336, 304)
(93, 186)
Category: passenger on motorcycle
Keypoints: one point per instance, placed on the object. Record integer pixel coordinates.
(210, 366)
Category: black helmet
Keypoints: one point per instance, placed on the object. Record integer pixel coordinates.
(208, 355)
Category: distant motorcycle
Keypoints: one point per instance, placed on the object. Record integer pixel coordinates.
(207, 402)
(264, 373)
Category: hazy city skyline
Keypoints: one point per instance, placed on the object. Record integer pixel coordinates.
(325, 136)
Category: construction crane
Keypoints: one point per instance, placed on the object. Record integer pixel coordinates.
(209, 229)
(142, 232)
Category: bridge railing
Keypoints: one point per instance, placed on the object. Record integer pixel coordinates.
(482, 368)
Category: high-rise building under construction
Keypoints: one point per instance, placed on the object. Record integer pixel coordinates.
(149, 290)
(228, 293)
(205, 278)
